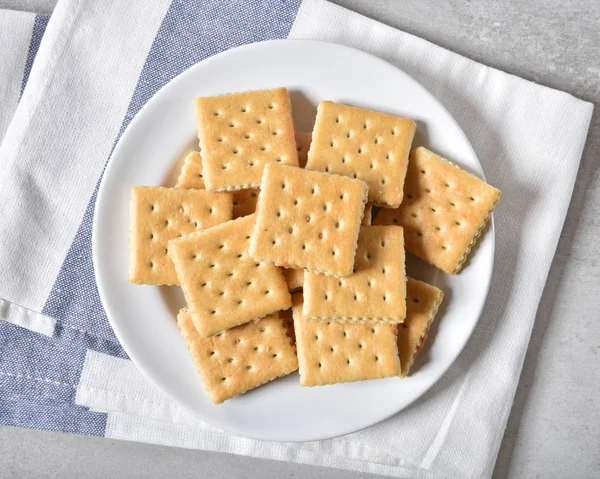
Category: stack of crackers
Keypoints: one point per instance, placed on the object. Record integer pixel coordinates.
(269, 233)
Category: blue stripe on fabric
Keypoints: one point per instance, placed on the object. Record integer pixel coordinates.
(39, 377)
(52, 417)
(89, 341)
(38, 367)
(45, 367)
(39, 27)
(190, 32)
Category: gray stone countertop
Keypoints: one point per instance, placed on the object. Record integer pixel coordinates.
(553, 430)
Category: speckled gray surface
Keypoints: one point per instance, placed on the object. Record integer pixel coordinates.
(553, 430)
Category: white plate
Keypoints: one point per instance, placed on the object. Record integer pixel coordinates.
(149, 153)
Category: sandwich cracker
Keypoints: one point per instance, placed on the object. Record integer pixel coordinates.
(240, 133)
(363, 144)
(223, 286)
(239, 359)
(158, 215)
(307, 219)
(330, 353)
(444, 211)
(375, 292)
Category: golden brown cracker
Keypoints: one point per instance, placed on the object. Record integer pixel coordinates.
(288, 321)
(158, 215)
(302, 146)
(294, 278)
(330, 353)
(239, 359)
(422, 304)
(444, 211)
(375, 292)
(307, 219)
(363, 144)
(240, 133)
(244, 202)
(368, 216)
(223, 286)
(191, 172)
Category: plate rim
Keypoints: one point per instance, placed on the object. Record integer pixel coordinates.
(490, 227)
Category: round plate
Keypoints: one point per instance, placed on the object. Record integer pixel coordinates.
(149, 153)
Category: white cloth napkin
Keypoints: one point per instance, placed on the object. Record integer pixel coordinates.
(529, 139)
(15, 37)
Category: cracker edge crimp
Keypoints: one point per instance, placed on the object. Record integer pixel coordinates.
(183, 287)
(245, 390)
(247, 186)
(423, 337)
(299, 347)
(483, 223)
(377, 320)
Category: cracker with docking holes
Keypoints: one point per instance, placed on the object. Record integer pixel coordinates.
(444, 211)
(240, 133)
(302, 145)
(158, 215)
(223, 286)
(363, 144)
(239, 359)
(422, 304)
(244, 201)
(295, 277)
(374, 293)
(330, 353)
(307, 219)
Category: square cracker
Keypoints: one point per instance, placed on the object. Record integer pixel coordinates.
(422, 303)
(364, 144)
(239, 359)
(306, 219)
(244, 201)
(444, 211)
(240, 133)
(330, 353)
(375, 292)
(302, 146)
(158, 215)
(294, 278)
(223, 286)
